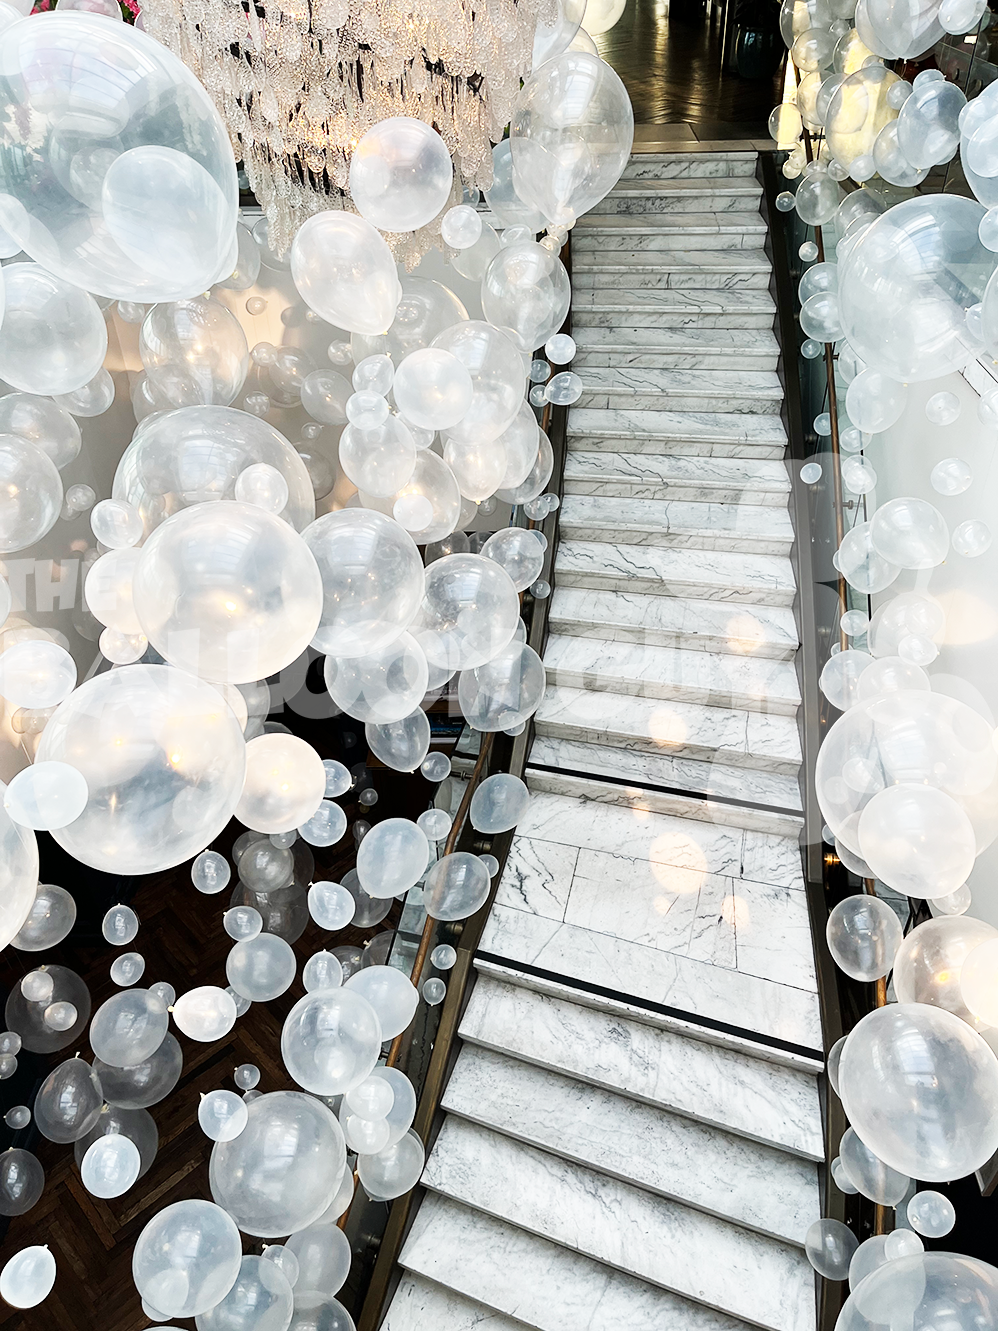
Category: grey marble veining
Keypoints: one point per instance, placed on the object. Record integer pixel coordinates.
(678, 278)
(653, 388)
(672, 166)
(694, 1254)
(589, 315)
(648, 671)
(689, 730)
(735, 231)
(713, 575)
(704, 426)
(704, 358)
(692, 260)
(723, 341)
(700, 988)
(749, 785)
(697, 523)
(673, 621)
(736, 1089)
(537, 1282)
(537, 876)
(685, 185)
(418, 1304)
(619, 297)
(755, 1186)
(749, 481)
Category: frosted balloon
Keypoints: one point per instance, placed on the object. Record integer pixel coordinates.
(27, 1278)
(526, 293)
(400, 175)
(187, 1258)
(497, 376)
(261, 1299)
(928, 966)
(890, 161)
(240, 615)
(128, 1028)
(187, 456)
(571, 98)
(169, 787)
(861, 565)
(36, 674)
(126, 970)
(502, 198)
(426, 309)
(205, 1013)
(331, 1040)
(910, 533)
(389, 992)
(951, 476)
(520, 442)
(261, 968)
(863, 935)
(504, 692)
(120, 925)
(460, 227)
(830, 1245)
(110, 1166)
(194, 352)
(324, 395)
(553, 37)
(971, 538)
(817, 199)
(210, 872)
(840, 675)
(330, 905)
(30, 493)
(53, 338)
(146, 1083)
(393, 1170)
(917, 1085)
(433, 389)
(322, 971)
(324, 1256)
(889, 674)
(456, 887)
(898, 312)
(868, 1174)
(383, 687)
(930, 1213)
(284, 783)
(401, 745)
(372, 579)
(314, 1313)
(46, 796)
(68, 1101)
(392, 857)
(857, 111)
(345, 272)
(42, 423)
(918, 840)
(820, 318)
(875, 402)
(222, 1115)
(928, 124)
(22, 1181)
(435, 823)
(469, 612)
(499, 803)
(326, 826)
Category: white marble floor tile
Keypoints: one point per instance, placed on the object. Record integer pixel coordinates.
(674, 1246)
(773, 934)
(715, 575)
(418, 1304)
(693, 522)
(752, 481)
(537, 876)
(753, 1185)
(694, 300)
(538, 1283)
(714, 427)
(728, 1088)
(672, 166)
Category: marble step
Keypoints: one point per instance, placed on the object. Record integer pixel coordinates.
(418, 1304)
(674, 166)
(670, 1245)
(736, 738)
(711, 575)
(729, 683)
(712, 779)
(660, 231)
(507, 1272)
(745, 391)
(755, 1186)
(672, 621)
(708, 269)
(702, 480)
(698, 429)
(653, 197)
(617, 304)
(732, 1089)
(677, 523)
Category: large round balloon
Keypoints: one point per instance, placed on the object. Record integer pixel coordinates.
(571, 100)
(187, 1258)
(372, 581)
(53, 337)
(195, 454)
(279, 1174)
(18, 875)
(497, 378)
(919, 1087)
(502, 197)
(345, 272)
(194, 351)
(924, 1292)
(30, 493)
(163, 757)
(468, 614)
(400, 174)
(331, 1041)
(526, 293)
(131, 193)
(857, 111)
(907, 283)
(228, 592)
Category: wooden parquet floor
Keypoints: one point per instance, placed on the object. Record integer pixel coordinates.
(183, 942)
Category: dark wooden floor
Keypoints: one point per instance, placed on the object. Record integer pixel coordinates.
(671, 67)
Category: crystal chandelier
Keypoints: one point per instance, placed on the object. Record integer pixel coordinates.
(298, 84)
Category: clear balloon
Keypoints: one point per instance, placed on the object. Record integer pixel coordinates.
(210, 872)
(278, 1175)
(22, 1181)
(187, 1258)
(456, 887)
(400, 745)
(30, 493)
(110, 1166)
(138, 1125)
(330, 905)
(68, 1101)
(53, 338)
(869, 1174)
(128, 1028)
(526, 293)
(497, 375)
(830, 1245)
(163, 758)
(222, 1115)
(499, 803)
(393, 1170)
(42, 423)
(863, 935)
(324, 1255)
(145, 1083)
(392, 857)
(261, 968)
(930, 1213)
(504, 692)
(345, 272)
(928, 965)
(206, 1013)
(469, 612)
(27, 1278)
(194, 352)
(28, 1018)
(390, 993)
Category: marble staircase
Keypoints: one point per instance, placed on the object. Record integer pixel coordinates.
(632, 1130)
